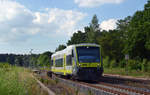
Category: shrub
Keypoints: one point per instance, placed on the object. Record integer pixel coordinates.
(4, 65)
(148, 66)
(134, 65)
(144, 63)
(122, 63)
(113, 64)
(106, 62)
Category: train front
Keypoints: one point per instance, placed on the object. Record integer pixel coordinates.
(89, 62)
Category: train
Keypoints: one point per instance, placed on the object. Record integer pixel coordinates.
(79, 61)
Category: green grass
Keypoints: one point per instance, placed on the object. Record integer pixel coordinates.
(123, 71)
(17, 81)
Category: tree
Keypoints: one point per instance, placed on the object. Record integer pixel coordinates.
(18, 61)
(137, 44)
(44, 59)
(94, 23)
(92, 30)
(60, 47)
(111, 44)
(77, 38)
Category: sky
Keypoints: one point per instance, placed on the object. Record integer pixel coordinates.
(42, 25)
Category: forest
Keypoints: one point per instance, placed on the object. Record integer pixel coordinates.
(131, 37)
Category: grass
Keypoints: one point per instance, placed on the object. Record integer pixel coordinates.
(123, 71)
(17, 81)
(58, 87)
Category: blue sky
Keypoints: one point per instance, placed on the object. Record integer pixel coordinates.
(42, 25)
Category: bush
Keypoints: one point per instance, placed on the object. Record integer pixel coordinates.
(4, 65)
(106, 62)
(113, 64)
(122, 63)
(148, 66)
(144, 63)
(134, 65)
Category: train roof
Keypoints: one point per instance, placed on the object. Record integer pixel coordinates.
(62, 52)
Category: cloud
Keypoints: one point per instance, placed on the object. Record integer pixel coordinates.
(18, 23)
(95, 3)
(108, 24)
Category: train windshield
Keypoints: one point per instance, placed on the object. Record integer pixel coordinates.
(88, 54)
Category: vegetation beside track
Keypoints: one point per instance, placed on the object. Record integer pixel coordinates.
(57, 87)
(123, 71)
(131, 67)
(17, 81)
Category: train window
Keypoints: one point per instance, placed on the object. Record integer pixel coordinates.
(69, 60)
(88, 54)
(59, 62)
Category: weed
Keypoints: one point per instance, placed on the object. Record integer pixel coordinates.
(17, 81)
(77, 91)
(57, 80)
(90, 92)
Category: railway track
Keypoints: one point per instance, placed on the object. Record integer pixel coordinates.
(104, 87)
(124, 89)
(135, 84)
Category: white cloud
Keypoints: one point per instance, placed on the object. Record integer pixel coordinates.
(95, 3)
(108, 24)
(18, 23)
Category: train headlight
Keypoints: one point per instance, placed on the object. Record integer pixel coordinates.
(79, 65)
(98, 66)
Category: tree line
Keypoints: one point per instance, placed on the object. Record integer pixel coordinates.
(28, 60)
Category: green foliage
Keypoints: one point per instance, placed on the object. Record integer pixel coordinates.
(138, 41)
(122, 63)
(4, 65)
(77, 91)
(33, 61)
(145, 66)
(44, 59)
(77, 38)
(111, 44)
(122, 71)
(113, 64)
(134, 65)
(106, 62)
(92, 30)
(94, 23)
(19, 61)
(148, 67)
(60, 47)
(144, 63)
(15, 82)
